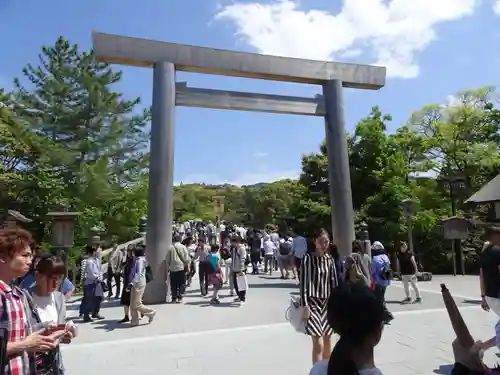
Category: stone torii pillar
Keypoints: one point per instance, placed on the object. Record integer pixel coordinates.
(166, 58)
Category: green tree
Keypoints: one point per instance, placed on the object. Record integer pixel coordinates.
(95, 141)
(70, 99)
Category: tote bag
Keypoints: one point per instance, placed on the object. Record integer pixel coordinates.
(242, 282)
(295, 316)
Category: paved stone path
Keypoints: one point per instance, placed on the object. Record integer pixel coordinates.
(195, 337)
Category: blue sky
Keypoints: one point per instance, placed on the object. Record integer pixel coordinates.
(432, 49)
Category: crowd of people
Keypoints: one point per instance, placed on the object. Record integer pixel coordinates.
(348, 303)
(347, 296)
(342, 296)
(127, 273)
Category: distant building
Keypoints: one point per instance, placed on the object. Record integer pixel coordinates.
(489, 195)
(12, 219)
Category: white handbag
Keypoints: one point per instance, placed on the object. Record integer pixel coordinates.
(242, 282)
(295, 315)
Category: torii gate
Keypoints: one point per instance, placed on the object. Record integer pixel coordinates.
(166, 58)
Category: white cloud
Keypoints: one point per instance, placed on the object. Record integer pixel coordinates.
(260, 155)
(496, 7)
(392, 32)
(453, 101)
(243, 179)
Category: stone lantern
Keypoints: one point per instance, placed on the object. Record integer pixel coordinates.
(63, 233)
(364, 236)
(409, 209)
(456, 228)
(63, 229)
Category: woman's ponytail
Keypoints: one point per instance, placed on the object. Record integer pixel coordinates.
(340, 362)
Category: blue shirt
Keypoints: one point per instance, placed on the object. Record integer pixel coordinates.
(377, 263)
(28, 281)
(133, 271)
(66, 286)
(93, 271)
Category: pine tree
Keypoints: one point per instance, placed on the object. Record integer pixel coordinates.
(70, 100)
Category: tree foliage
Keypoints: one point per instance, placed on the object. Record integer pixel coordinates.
(69, 140)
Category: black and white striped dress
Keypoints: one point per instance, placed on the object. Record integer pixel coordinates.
(318, 277)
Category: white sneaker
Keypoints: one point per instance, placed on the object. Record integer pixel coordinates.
(151, 316)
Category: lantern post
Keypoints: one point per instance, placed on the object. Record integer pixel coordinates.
(456, 229)
(409, 209)
(365, 237)
(63, 233)
(143, 225)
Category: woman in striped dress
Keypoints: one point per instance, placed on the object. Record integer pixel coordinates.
(318, 278)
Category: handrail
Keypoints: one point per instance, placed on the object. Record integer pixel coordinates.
(119, 247)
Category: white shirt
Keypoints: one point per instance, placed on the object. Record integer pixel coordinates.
(275, 237)
(242, 232)
(192, 249)
(210, 229)
(46, 307)
(269, 247)
(321, 368)
(299, 247)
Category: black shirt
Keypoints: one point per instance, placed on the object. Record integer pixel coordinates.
(406, 266)
(254, 243)
(489, 261)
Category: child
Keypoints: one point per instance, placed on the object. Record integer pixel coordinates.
(214, 271)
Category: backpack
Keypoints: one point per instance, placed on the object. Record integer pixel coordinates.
(386, 271)
(285, 248)
(225, 254)
(149, 274)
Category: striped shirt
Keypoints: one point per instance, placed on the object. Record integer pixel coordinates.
(318, 277)
(83, 270)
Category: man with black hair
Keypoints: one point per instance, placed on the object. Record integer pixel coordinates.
(201, 253)
(254, 243)
(114, 267)
(237, 275)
